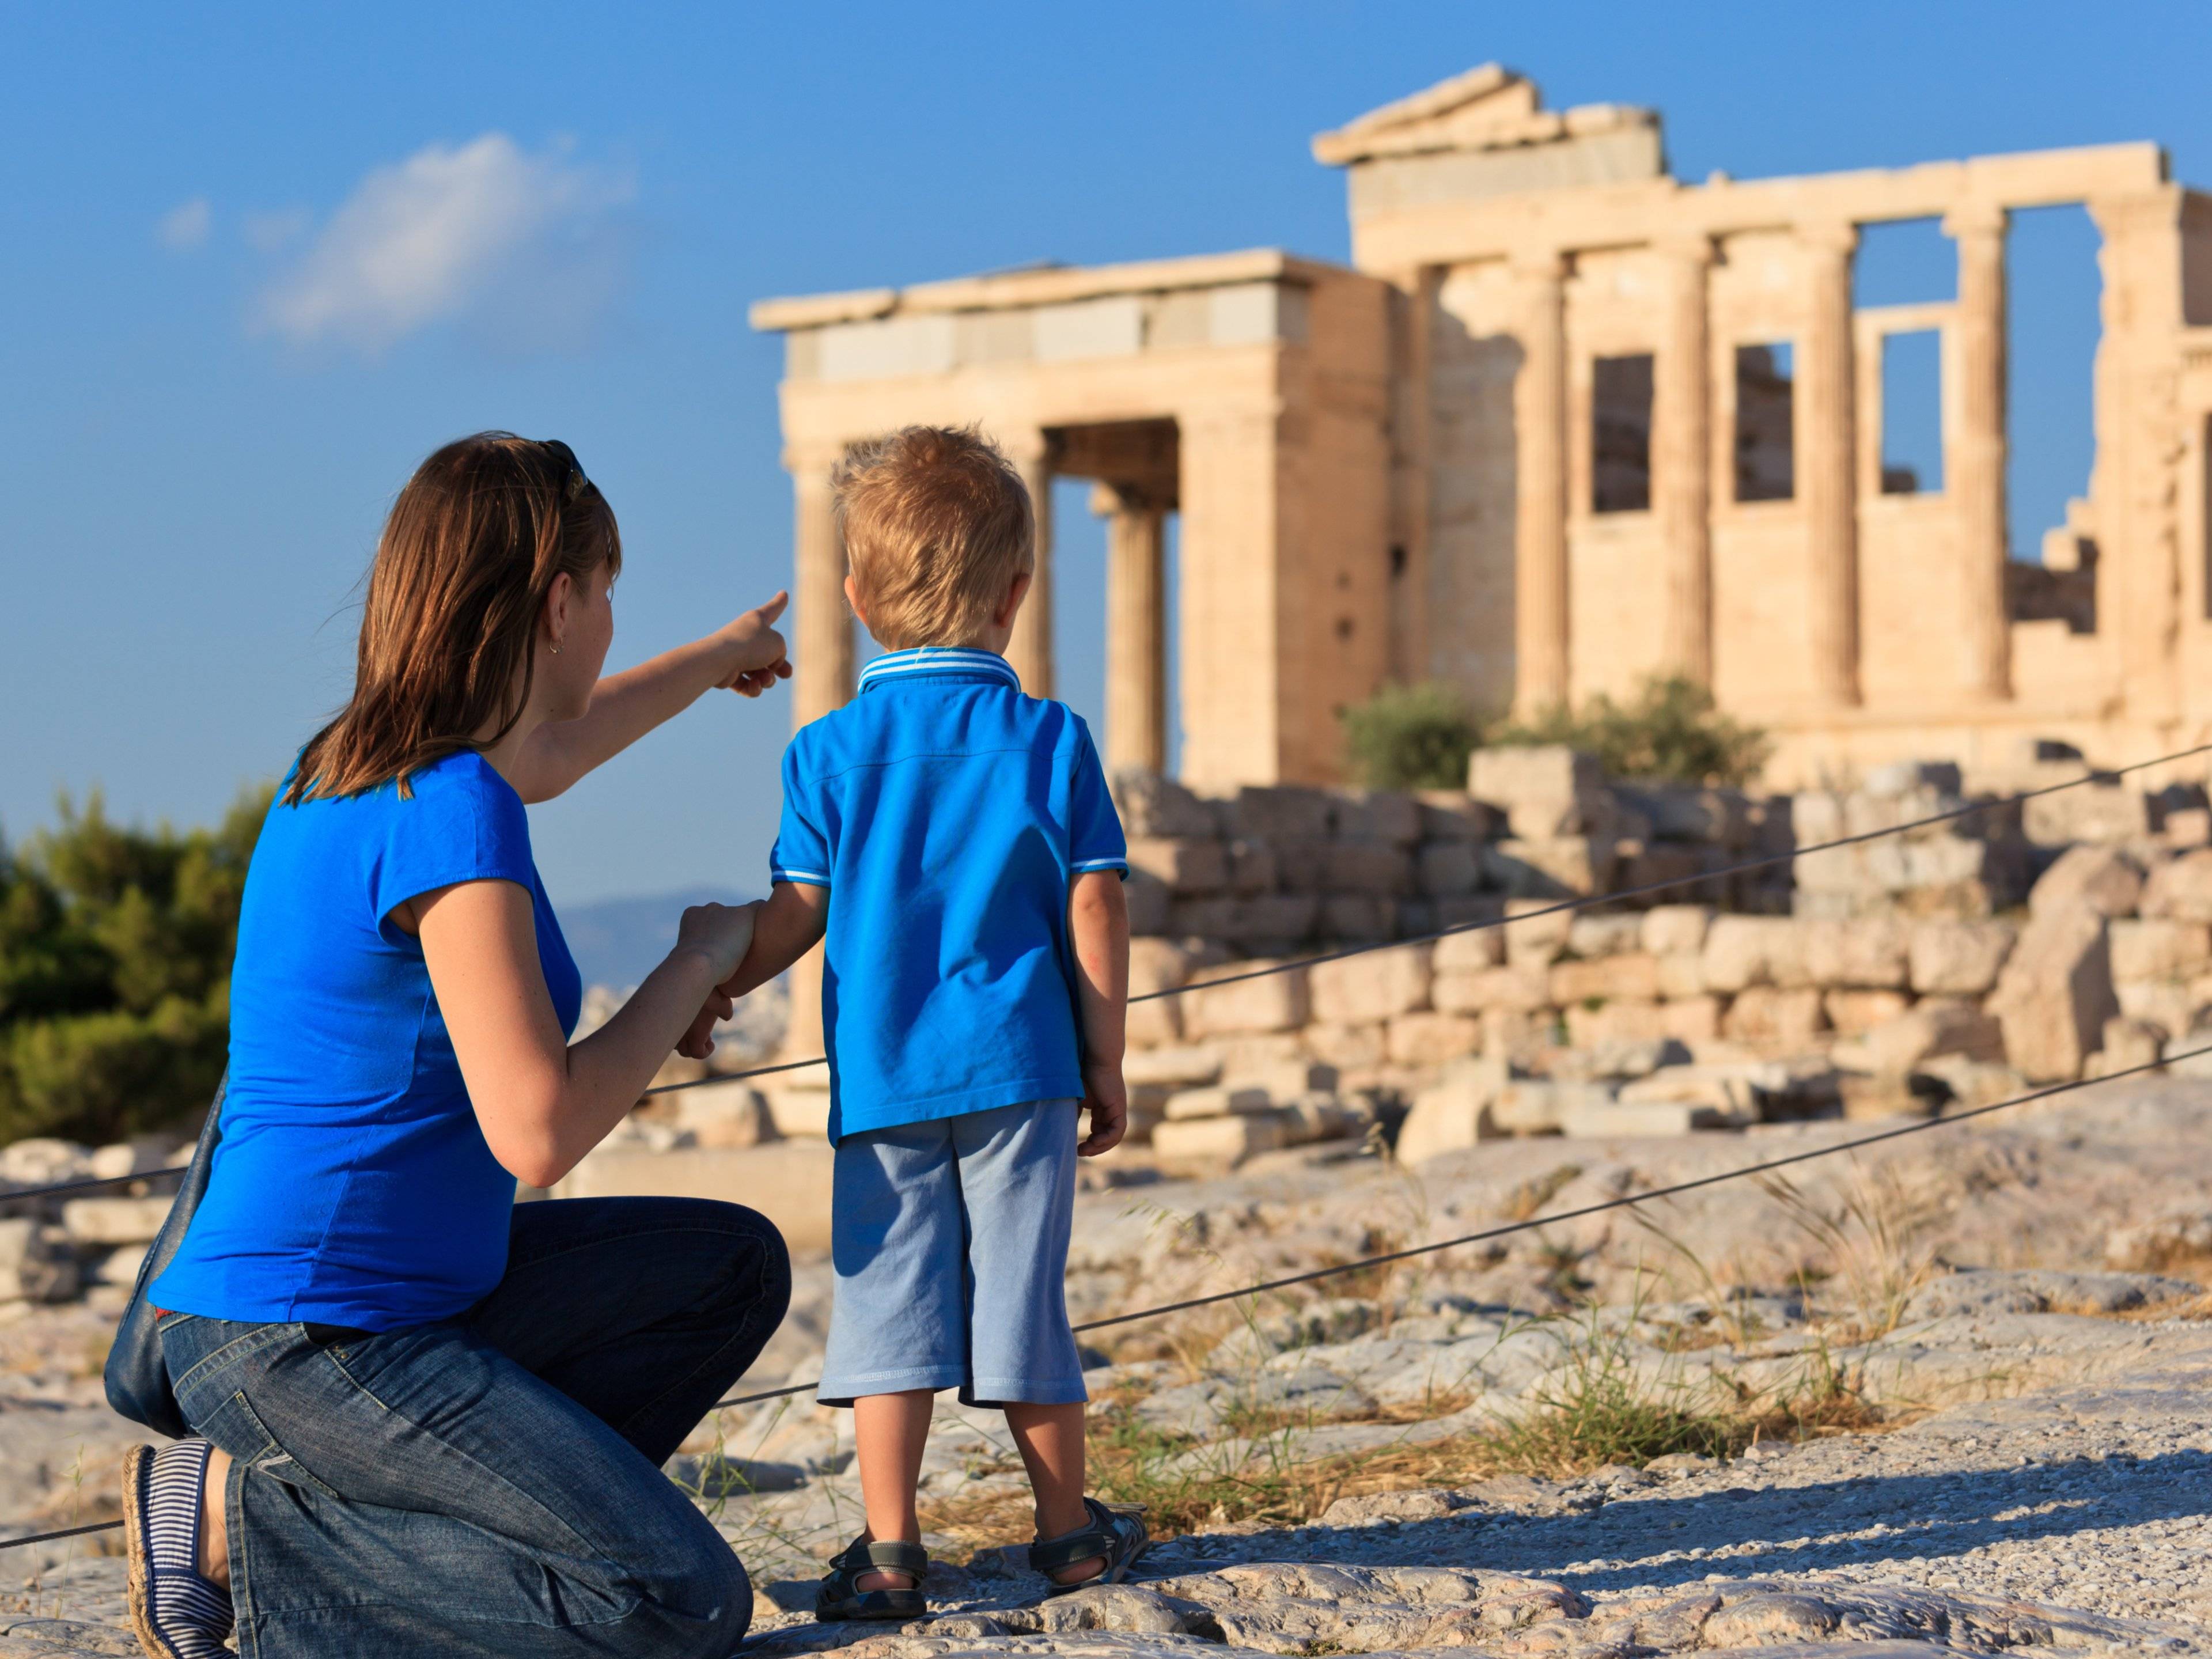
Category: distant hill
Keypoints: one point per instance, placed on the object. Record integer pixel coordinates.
(617, 942)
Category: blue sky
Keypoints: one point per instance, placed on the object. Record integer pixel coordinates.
(218, 368)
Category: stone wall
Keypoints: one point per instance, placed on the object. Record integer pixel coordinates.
(1893, 975)
(1960, 962)
(1271, 871)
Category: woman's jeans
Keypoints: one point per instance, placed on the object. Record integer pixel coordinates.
(492, 1485)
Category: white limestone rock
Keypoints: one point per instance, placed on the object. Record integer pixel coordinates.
(1959, 958)
(35, 1264)
(1219, 1143)
(1671, 930)
(2098, 878)
(1743, 952)
(114, 1220)
(1373, 986)
(1451, 1114)
(1276, 1002)
(2181, 888)
(2056, 991)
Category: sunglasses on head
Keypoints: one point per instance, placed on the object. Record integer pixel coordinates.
(573, 481)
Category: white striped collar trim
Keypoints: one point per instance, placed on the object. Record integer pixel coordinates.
(940, 659)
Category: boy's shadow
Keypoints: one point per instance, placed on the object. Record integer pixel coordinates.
(1936, 1514)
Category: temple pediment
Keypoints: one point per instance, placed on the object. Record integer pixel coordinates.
(1489, 107)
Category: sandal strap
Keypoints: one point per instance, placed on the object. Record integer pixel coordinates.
(1102, 1537)
(882, 1555)
(897, 1555)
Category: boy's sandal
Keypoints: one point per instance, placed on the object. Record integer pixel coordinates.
(840, 1596)
(1116, 1536)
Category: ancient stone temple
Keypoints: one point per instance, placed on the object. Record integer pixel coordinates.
(1568, 421)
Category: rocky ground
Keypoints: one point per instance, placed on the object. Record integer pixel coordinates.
(1970, 1367)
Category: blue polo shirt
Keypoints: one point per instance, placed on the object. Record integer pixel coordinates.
(946, 813)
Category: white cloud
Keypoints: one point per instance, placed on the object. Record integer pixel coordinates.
(267, 232)
(185, 226)
(527, 248)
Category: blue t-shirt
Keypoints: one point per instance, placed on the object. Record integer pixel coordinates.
(352, 1185)
(946, 813)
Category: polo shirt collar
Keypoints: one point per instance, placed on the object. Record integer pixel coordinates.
(952, 662)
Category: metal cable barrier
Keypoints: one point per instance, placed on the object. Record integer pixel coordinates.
(1486, 1234)
(1504, 1230)
(1537, 1222)
(1584, 903)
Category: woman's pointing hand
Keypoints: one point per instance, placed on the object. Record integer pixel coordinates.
(757, 656)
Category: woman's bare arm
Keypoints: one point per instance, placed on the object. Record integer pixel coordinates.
(543, 1101)
(746, 657)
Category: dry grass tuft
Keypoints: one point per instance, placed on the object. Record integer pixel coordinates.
(1527, 1201)
(1601, 1407)
(1872, 1244)
(1608, 1402)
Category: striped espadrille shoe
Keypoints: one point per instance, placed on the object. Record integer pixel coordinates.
(177, 1614)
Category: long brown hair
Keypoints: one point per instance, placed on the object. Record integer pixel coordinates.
(461, 573)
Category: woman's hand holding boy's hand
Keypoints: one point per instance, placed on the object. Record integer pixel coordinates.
(789, 923)
(1107, 1099)
(719, 934)
(757, 655)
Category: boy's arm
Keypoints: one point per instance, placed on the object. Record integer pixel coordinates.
(1098, 928)
(789, 925)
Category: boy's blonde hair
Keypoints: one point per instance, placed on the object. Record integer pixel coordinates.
(937, 525)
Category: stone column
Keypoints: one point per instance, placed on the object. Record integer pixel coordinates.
(1412, 627)
(1826, 469)
(1030, 649)
(1540, 544)
(1136, 629)
(1975, 457)
(822, 652)
(1681, 459)
(2136, 488)
(1240, 538)
(804, 1036)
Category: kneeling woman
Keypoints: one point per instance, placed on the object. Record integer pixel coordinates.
(434, 1420)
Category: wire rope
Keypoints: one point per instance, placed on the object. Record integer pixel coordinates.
(1485, 1235)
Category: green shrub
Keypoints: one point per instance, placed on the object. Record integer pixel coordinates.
(1411, 737)
(98, 1077)
(1419, 737)
(1669, 731)
(115, 949)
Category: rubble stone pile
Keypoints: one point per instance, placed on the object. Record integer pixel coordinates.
(90, 1244)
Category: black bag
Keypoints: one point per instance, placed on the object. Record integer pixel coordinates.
(136, 1377)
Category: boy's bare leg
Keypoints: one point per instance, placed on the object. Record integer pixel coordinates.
(889, 1431)
(1050, 1439)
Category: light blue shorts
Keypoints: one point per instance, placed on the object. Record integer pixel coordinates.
(949, 1242)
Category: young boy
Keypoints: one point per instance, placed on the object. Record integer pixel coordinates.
(955, 841)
